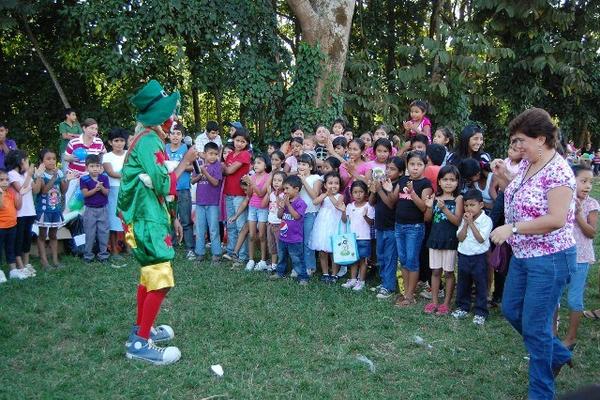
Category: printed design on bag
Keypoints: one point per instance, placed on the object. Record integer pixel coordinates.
(345, 249)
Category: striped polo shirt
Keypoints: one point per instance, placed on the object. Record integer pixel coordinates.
(96, 147)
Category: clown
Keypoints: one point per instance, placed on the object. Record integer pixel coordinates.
(146, 185)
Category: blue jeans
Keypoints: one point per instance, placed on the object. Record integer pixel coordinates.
(184, 211)
(472, 269)
(295, 251)
(207, 215)
(531, 293)
(409, 239)
(387, 258)
(232, 203)
(576, 286)
(310, 260)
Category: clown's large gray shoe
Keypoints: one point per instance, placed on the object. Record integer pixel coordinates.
(145, 350)
(161, 333)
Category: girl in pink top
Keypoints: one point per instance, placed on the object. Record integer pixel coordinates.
(355, 168)
(258, 211)
(419, 123)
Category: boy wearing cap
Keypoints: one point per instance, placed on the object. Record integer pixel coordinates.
(146, 184)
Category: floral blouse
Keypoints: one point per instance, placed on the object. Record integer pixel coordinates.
(525, 201)
(585, 245)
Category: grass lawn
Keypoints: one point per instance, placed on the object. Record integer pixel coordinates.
(62, 336)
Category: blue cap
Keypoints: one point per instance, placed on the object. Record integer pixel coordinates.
(236, 125)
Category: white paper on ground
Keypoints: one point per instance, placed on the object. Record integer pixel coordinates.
(217, 369)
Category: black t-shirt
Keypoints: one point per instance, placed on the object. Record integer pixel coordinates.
(384, 216)
(407, 211)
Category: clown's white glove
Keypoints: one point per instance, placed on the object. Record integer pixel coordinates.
(145, 178)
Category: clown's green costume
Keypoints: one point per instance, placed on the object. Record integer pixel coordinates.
(146, 184)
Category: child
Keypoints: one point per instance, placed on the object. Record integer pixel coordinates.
(291, 212)
(330, 165)
(10, 202)
(367, 137)
(286, 147)
(586, 216)
(340, 148)
(258, 211)
(175, 151)
(361, 215)
(322, 137)
(419, 143)
(445, 212)
(210, 135)
(241, 239)
(410, 195)
(95, 188)
(291, 163)
(208, 191)
(338, 128)
(445, 137)
(513, 160)
(435, 158)
(470, 146)
(383, 150)
(273, 146)
(355, 168)
(348, 134)
(473, 243)
(596, 162)
(277, 161)
(113, 163)
(326, 224)
(274, 222)
(308, 147)
(382, 199)
(49, 185)
(20, 178)
(419, 123)
(311, 189)
(237, 164)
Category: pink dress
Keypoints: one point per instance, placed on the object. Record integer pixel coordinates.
(362, 169)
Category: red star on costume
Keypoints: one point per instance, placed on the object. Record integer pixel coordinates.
(160, 157)
(169, 241)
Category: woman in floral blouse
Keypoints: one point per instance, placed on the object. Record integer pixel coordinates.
(539, 209)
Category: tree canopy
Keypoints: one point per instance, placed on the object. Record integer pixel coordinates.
(271, 66)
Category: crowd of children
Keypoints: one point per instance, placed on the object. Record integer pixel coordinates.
(420, 201)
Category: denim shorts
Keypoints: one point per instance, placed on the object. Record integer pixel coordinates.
(364, 248)
(576, 286)
(258, 214)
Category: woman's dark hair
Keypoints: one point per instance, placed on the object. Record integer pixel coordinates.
(467, 133)
(118, 133)
(383, 142)
(243, 133)
(419, 138)
(359, 142)
(468, 168)
(399, 163)
(361, 184)
(445, 170)
(307, 159)
(449, 134)
(577, 169)
(43, 153)
(418, 154)
(279, 154)
(533, 123)
(334, 162)
(422, 104)
(13, 160)
(88, 122)
(266, 159)
(339, 141)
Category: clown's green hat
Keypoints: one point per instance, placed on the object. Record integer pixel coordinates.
(153, 104)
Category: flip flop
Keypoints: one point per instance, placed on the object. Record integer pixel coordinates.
(592, 314)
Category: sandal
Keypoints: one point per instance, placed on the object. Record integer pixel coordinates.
(430, 308)
(593, 314)
(442, 310)
(406, 302)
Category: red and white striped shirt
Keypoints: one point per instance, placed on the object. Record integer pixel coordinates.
(96, 147)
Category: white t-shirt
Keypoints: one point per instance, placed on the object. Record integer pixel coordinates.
(273, 218)
(116, 162)
(358, 224)
(471, 246)
(27, 208)
(310, 207)
(202, 139)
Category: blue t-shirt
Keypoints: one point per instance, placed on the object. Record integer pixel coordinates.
(183, 182)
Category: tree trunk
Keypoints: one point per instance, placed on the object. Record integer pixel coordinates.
(434, 27)
(196, 104)
(390, 62)
(327, 23)
(38, 50)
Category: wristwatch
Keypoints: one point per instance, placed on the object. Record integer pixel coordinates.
(514, 228)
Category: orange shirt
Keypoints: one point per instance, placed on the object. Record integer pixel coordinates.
(431, 173)
(8, 212)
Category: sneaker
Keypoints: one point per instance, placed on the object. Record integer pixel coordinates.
(261, 266)
(310, 272)
(350, 283)
(26, 272)
(293, 274)
(459, 314)
(2, 277)
(30, 268)
(145, 350)
(215, 260)
(479, 320)
(191, 256)
(384, 294)
(342, 272)
(275, 276)
(426, 293)
(333, 278)
(250, 265)
(325, 278)
(303, 282)
(376, 288)
(17, 274)
(360, 285)
(272, 267)
(161, 333)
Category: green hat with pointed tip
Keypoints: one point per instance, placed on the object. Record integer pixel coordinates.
(153, 104)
